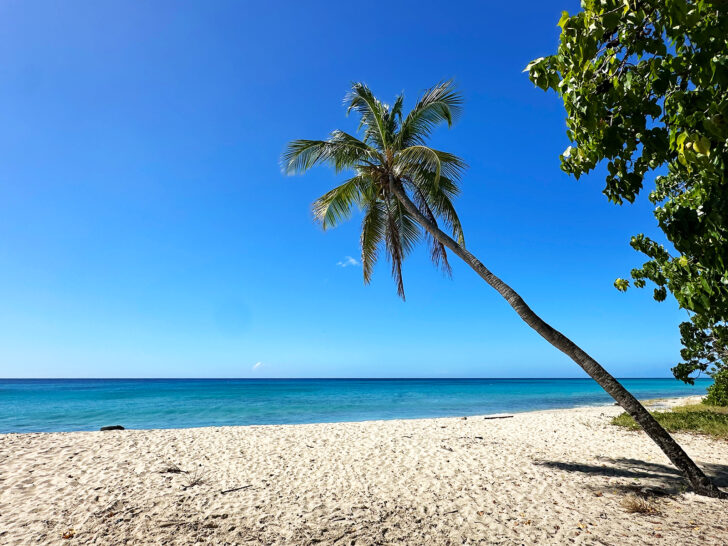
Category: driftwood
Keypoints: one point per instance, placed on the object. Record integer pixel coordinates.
(235, 489)
(498, 417)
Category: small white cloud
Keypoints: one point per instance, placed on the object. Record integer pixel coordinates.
(347, 261)
(257, 365)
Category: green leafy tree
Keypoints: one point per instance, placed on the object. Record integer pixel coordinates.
(718, 391)
(645, 87)
(405, 189)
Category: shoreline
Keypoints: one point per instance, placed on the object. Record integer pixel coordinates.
(652, 404)
(541, 477)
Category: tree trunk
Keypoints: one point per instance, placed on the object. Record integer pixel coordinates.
(698, 480)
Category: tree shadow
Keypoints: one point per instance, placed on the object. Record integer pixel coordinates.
(662, 479)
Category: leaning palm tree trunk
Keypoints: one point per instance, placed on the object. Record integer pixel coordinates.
(393, 158)
(697, 479)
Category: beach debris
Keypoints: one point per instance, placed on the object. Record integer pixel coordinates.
(112, 427)
(639, 505)
(171, 523)
(68, 534)
(196, 478)
(235, 489)
(172, 468)
(497, 416)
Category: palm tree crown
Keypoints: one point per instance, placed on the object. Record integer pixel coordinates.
(392, 150)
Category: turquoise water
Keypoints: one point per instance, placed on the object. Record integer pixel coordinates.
(50, 405)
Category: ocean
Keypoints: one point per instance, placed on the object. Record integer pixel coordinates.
(52, 405)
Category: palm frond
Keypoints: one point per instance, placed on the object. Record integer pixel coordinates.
(372, 234)
(393, 117)
(438, 254)
(409, 229)
(335, 206)
(397, 108)
(370, 110)
(439, 104)
(419, 158)
(439, 199)
(393, 241)
(340, 150)
(301, 155)
(347, 150)
(423, 161)
(401, 235)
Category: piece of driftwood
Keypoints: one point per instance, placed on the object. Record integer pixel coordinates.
(235, 489)
(497, 416)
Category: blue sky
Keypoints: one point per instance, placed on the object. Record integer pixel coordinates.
(146, 229)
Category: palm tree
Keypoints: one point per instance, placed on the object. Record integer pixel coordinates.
(405, 188)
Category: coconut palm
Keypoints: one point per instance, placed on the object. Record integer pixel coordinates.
(405, 189)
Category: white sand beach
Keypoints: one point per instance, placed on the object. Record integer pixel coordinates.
(547, 477)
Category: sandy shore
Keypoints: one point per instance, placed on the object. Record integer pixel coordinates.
(548, 477)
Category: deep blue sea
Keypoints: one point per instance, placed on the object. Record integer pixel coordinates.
(50, 405)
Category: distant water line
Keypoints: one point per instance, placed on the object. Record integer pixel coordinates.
(52, 405)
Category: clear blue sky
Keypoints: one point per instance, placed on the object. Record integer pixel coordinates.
(146, 229)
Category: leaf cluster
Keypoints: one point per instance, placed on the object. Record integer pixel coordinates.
(391, 149)
(718, 391)
(645, 87)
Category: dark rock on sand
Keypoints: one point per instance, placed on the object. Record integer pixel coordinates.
(112, 427)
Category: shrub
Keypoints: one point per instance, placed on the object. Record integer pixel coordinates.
(718, 391)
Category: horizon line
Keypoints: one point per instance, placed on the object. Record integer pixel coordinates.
(317, 378)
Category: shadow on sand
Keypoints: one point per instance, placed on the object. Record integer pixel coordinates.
(660, 478)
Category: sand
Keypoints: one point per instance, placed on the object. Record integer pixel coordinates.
(547, 477)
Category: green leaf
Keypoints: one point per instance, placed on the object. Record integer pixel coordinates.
(621, 284)
(680, 141)
(532, 64)
(702, 145)
(564, 18)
